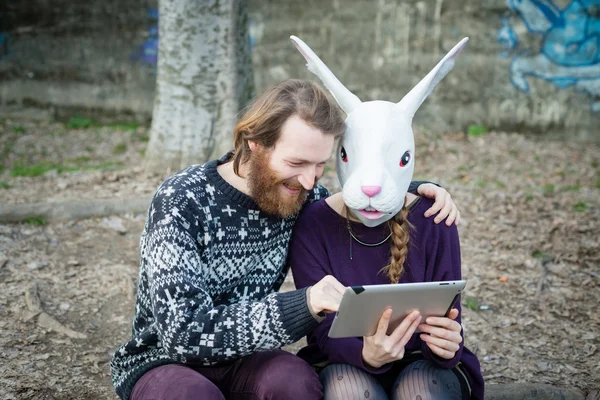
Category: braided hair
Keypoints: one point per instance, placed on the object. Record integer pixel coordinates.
(400, 228)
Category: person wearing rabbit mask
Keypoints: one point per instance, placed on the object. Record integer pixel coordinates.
(209, 318)
(374, 232)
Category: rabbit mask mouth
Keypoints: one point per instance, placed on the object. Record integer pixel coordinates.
(371, 214)
(378, 209)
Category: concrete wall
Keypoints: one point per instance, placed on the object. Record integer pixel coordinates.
(61, 57)
(529, 66)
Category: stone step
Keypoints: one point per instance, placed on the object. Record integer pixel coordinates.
(530, 391)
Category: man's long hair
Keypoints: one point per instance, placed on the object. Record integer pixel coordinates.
(264, 118)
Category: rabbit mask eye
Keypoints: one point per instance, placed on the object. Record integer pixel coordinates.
(343, 154)
(405, 159)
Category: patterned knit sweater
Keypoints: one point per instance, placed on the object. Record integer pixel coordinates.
(211, 264)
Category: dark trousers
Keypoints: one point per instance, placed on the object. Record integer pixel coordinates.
(274, 374)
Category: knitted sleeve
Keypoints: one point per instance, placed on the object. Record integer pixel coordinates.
(317, 193)
(414, 185)
(190, 327)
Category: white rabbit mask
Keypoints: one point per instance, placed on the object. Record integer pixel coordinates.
(376, 156)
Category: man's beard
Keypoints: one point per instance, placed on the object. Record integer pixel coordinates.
(266, 187)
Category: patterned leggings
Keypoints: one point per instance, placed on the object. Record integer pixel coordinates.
(420, 380)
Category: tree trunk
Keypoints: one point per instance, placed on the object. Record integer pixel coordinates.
(204, 78)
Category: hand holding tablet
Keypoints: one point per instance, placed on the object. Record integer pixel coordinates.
(381, 349)
(362, 306)
(442, 334)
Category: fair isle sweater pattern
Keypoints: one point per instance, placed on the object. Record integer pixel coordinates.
(211, 263)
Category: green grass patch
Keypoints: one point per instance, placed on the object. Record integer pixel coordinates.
(81, 160)
(144, 138)
(481, 183)
(548, 189)
(539, 254)
(79, 122)
(18, 129)
(471, 303)
(595, 164)
(499, 184)
(36, 221)
(142, 152)
(581, 206)
(572, 188)
(111, 165)
(5, 185)
(44, 167)
(39, 169)
(598, 184)
(120, 148)
(131, 126)
(528, 197)
(477, 130)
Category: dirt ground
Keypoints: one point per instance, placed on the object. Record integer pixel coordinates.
(529, 234)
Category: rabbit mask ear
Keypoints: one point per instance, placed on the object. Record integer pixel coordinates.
(347, 101)
(413, 100)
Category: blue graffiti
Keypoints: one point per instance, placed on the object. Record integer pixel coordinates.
(147, 52)
(570, 49)
(255, 31)
(507, 38)
(4, 45)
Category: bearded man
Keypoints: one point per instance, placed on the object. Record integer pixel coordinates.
(209, 322)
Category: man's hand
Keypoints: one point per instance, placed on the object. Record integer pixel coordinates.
(325, 295)
(381, 349)
(444, 335)
(443, 206)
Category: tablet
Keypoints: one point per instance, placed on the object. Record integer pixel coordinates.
(362, 306)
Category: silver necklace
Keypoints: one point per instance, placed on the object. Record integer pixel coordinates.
(363, 243)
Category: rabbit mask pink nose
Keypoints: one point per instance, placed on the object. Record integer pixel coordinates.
(370, 190)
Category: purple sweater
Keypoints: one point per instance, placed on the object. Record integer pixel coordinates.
(320, 246)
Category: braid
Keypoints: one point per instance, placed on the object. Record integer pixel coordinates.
(399, 226)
